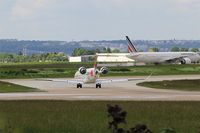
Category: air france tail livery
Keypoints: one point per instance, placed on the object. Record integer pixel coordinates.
(161, 57)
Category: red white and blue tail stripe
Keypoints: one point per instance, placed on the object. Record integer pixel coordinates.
(131, 47)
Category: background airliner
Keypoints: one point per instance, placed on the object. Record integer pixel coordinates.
(161, 57)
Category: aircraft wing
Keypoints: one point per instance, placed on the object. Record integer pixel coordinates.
(106, 81)
(69, 81)
(174, 59)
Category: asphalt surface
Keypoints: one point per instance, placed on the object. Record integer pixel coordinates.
(114, 91)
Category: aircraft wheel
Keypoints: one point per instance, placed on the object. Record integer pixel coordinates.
(79, 85)
(98, 85)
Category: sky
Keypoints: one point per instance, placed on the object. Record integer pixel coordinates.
(77, 20)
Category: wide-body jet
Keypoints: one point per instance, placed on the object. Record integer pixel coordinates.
(161, 57)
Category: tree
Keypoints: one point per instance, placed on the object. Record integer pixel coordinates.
(175, 49)
(153, 50)
(97, 51)
(195, 50)
(118, 117)
(78, 52)
(116, 51)
(108, 50)
(184, 50)
(104, 50)
(90, 52)
(20, 53)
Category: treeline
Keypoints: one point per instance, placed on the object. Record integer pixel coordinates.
(82, 51)
(60, 56)
(51, 57)
(48, 57)
(37, 47)
(175, 49)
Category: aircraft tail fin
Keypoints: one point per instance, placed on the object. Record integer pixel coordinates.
(95, 61)
(131, 47)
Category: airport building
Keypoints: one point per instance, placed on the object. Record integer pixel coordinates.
(75, 59)
(104, 57)
(107, 59)
(113, 57)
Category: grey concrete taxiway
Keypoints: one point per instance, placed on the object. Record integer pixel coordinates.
(114, 91)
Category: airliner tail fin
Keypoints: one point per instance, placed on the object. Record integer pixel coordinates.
(131, 47)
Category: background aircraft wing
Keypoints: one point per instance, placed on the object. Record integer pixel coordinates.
(174, 59)
(69, 81)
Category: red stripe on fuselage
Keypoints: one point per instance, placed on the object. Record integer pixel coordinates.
(91, 73)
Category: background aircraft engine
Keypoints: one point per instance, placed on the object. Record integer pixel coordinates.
(82, 70)
(104, 70)
(186, 61)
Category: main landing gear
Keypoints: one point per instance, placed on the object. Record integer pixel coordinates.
(79, 85)
(98, 85)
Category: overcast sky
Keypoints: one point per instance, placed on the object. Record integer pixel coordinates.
(99, 19)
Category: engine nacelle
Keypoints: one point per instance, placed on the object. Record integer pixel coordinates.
(186, 61)
(104, 70)
(82, 70)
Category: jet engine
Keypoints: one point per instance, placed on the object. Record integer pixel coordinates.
(186, 61)
(82, 70)
(104, 70)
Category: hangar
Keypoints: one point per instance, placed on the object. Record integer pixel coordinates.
(104, 57)
(113, 57)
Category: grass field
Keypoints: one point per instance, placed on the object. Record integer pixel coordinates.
(188, 85)
(61, 70)
(8, 87)
(91, 116)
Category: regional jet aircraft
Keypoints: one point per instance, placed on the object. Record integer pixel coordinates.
(161, 57)
(91, 76)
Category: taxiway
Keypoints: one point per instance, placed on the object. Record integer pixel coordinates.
(118, 91)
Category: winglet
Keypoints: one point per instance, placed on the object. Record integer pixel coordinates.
(131, 47)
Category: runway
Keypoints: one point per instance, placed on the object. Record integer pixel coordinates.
(118, 91)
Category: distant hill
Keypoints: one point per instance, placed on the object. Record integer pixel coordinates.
(15, 46)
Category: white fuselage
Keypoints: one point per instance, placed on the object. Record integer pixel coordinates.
(161, 57)
(89, 77)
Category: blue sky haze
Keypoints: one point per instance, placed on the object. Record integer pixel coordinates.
(99, 19)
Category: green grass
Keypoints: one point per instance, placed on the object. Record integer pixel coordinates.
(188, 85)
(63, 70)
(91, 116)
(9, 87)
(155, 69)
(39, 70)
